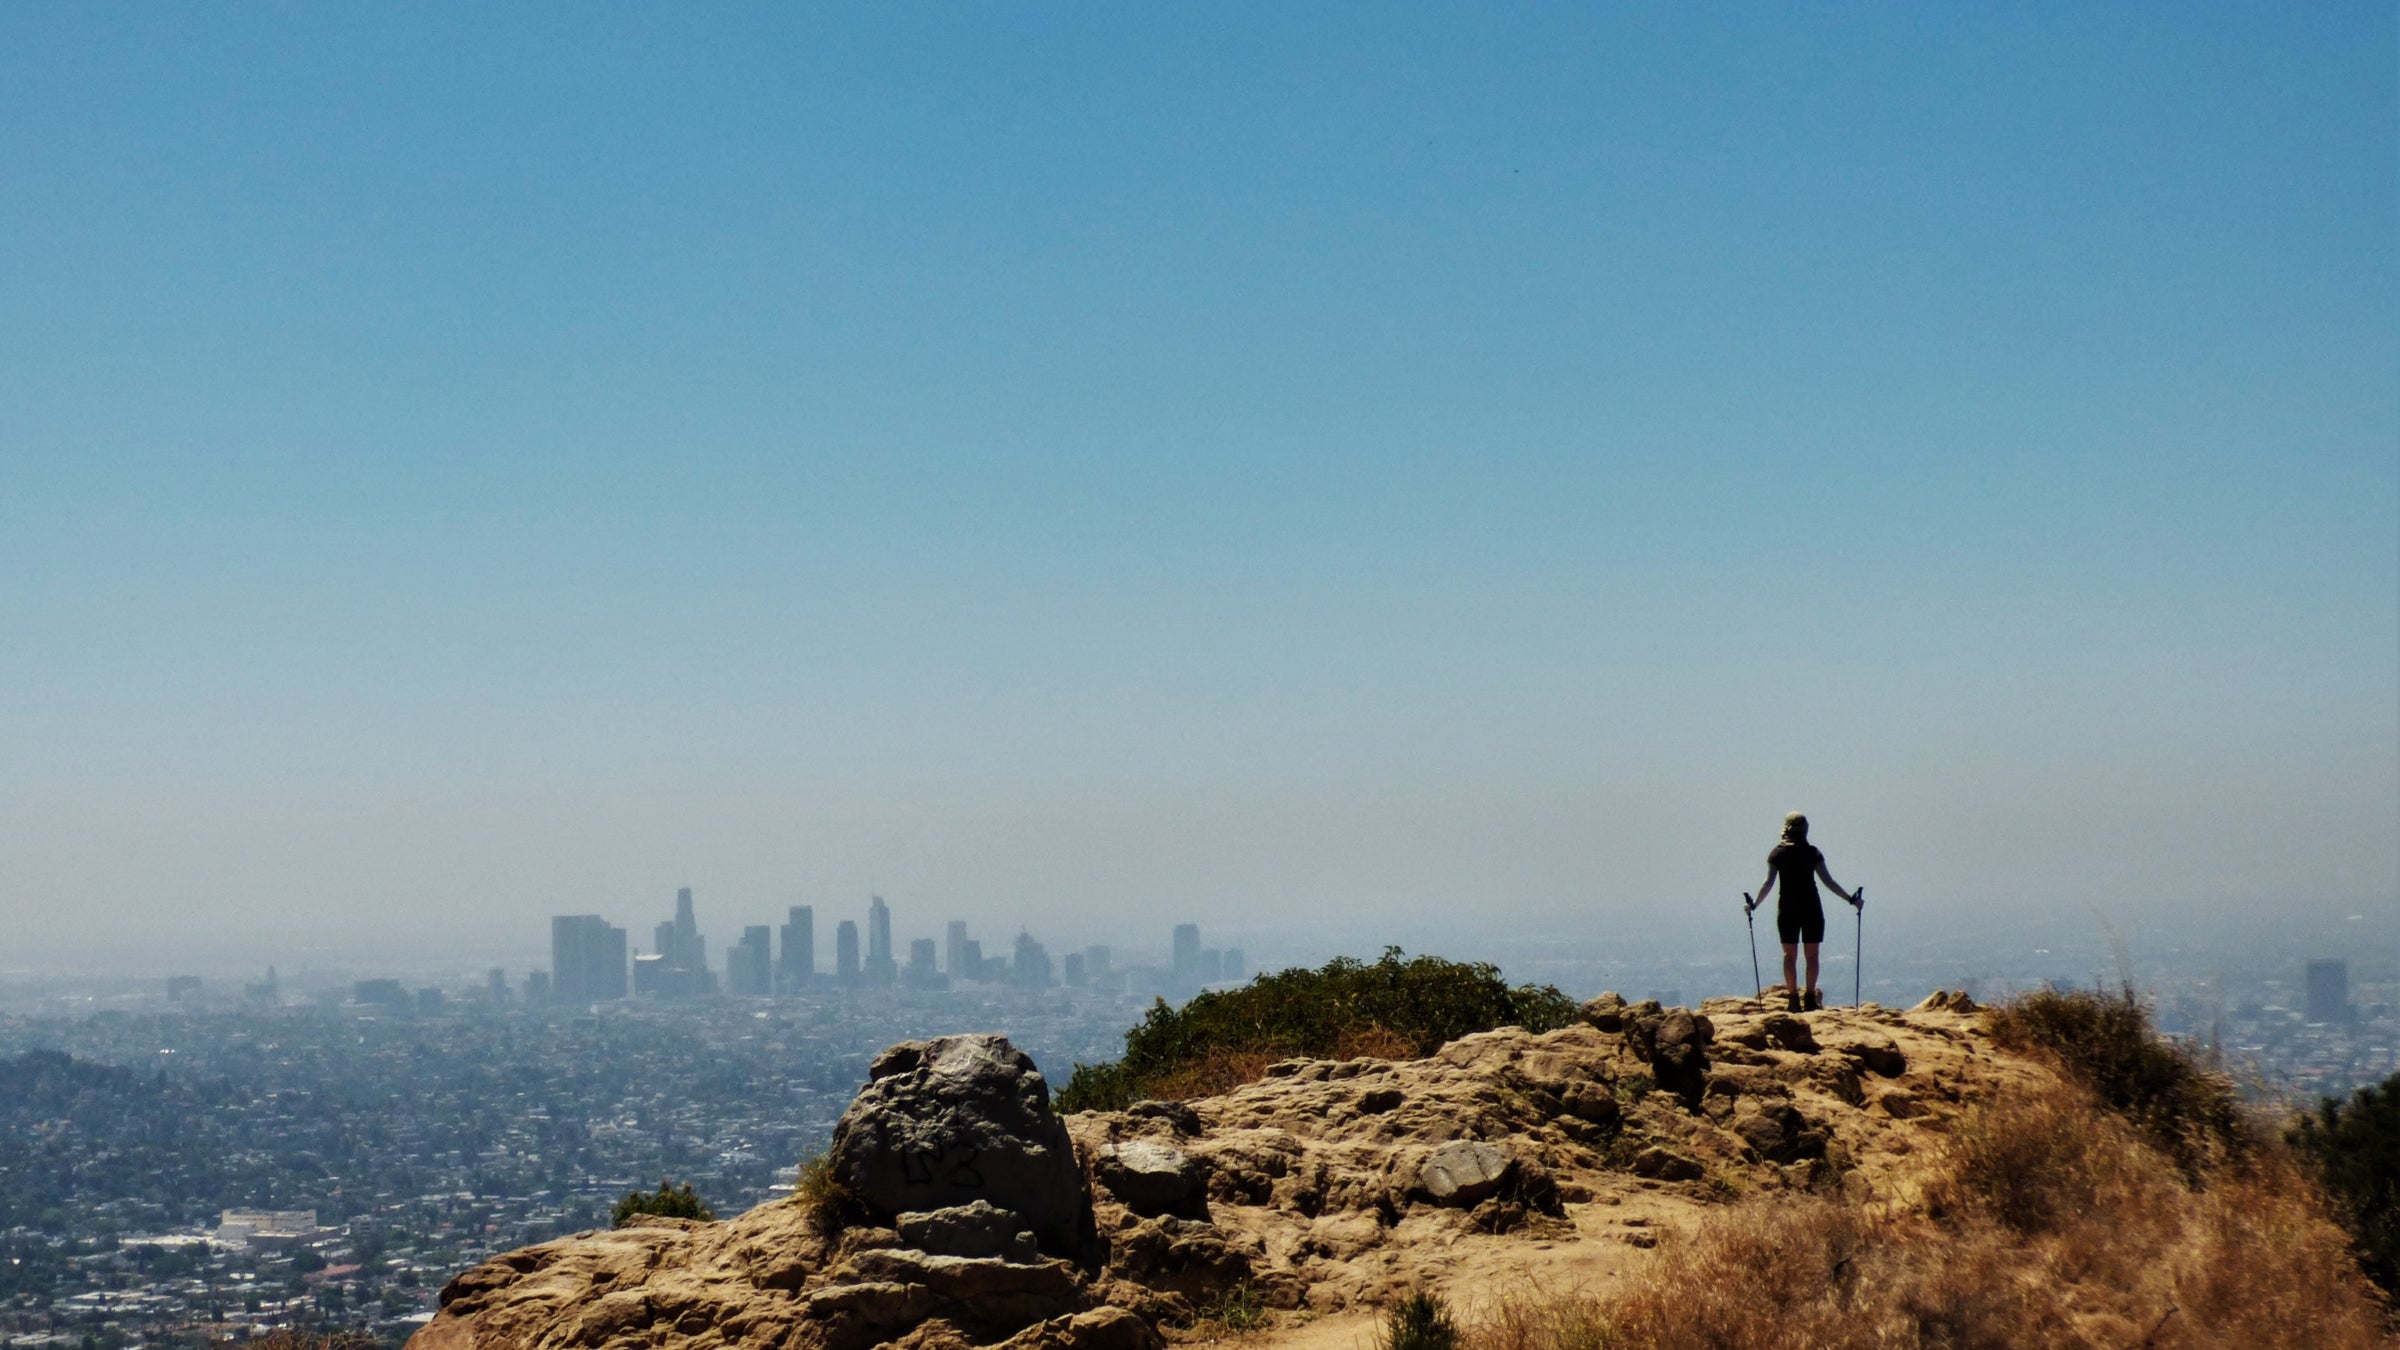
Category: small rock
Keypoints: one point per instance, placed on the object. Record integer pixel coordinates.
(1899, 1104)
(1787, 1032)
(1099, 1329)
(1662, 1164)
(1150, 1177)
(1465, 1173)
(1179, 1116)
(1605, 1013)
(1881, 1057)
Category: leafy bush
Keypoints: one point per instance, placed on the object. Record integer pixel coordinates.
(1419, 1322)
(2105, 1043)
(667, 1203)
(1393, 1007)
(2353, 1149)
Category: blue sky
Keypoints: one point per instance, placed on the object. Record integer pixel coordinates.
(1088, 467)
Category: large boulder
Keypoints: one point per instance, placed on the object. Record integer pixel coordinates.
(946, 1122)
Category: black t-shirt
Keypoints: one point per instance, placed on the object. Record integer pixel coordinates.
(1796, 873)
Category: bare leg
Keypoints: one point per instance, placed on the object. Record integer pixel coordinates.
(1812, 966)
(1791, 966)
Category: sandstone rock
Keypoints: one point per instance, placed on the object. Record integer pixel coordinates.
(1675, 1041)
(1898, 1104)
(1664, 1164)
(977, 1229)
(1881, 1057)
(1465, 1174)
(978, 1294)
(1946, 1000)
(1099, 1329)
(1150, 1177)
(1179, 1116)
(1779, 1133)
(1181, 1257)
(945, 1122)
(1786, 1032)
(1606, 1013)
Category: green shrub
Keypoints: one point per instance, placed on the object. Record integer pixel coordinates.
(1392, 1007)
(2353, 1149)
(1419, 1322)
(2104, 1042)
(666, 1203)
(1237, 1311)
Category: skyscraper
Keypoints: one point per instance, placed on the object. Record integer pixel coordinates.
(954, 955)
(881, 971)
(845, 953)
(798, 964)
(587, 959)
(681, 966)
(921, 971)
(749, 972)
(1031, 968)
(2328, 991)
(1187, 954)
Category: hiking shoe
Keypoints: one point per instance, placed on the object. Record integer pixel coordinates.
(1813, 1002)
(1791, 1003)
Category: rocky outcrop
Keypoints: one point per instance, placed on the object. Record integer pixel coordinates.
(956, 1120)
(970, 1215)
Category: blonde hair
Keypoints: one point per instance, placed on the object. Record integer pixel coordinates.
(1795, 828)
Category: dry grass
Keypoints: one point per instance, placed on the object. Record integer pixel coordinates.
(2049, 1223)
(1220, 1070)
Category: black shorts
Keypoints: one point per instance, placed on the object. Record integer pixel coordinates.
(1801, 923)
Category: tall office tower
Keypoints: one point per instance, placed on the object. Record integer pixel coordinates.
(495, 985)
(687, 924)
(1097, 965)
(1031, 968)
(749, 969)
(845, 953)
(923, 971)
(1070, 970)
(537, 987)
(2328, 991)
(1233, 963)
(1212, 965)
(955, 953)
(587, 959)
(880, 969)
(691, 949)
(970, 961)
(1187, 953)
(799, 963)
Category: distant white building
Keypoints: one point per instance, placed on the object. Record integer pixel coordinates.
(265, 1227)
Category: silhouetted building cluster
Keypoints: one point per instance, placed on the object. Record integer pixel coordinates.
(589, 961)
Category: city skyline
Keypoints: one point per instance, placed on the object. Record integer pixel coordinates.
(591, 961)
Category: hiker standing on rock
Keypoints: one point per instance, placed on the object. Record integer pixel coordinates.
(1799, 916)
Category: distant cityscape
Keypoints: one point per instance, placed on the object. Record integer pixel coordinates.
(198, 1160)
(589, 961)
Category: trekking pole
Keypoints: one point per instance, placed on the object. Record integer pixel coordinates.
(1858, 978)
(1748, 918)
